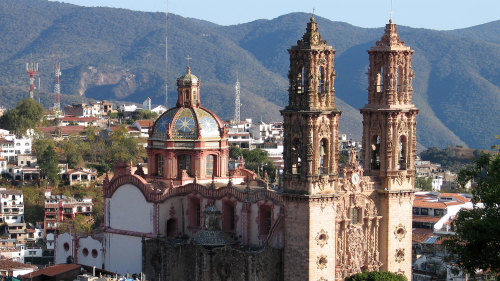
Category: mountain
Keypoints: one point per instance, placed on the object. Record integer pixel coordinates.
(119, 54)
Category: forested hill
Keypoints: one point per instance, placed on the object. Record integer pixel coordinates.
(118, 54)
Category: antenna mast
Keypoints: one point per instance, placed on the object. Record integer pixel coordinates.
(57, 88)
(32, 70)
(237, 103)
(38, 89)
(166, 54)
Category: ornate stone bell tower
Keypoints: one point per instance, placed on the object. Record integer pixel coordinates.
(311, 118)
(389, 145)
(310, 154)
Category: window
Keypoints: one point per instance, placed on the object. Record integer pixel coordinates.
(265, 220)
(438, 212)
(424, 211)
(323, 156)
(402, 153)
(79, 209)
(228, 222)
(66, 246)
(159, 164)
(171, 227)
(356, 216)
(195, 212)
(94, 253)
(85, 252)
(375, 150)
(296, 161)
(210, 162)
(321, 80)
(184, 163)
(195, 96)
(301, 80)
(380, 80)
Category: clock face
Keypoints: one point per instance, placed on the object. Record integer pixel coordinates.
(355, 178)
(184, 124)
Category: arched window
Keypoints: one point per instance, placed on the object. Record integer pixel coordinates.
(228, 222)
(209, 165)
(356, 215)
(323, 156)
(171, 230)
(265, 219)
(321, 80)
(296, 161)
(301, 80)
(375, 150)
(195, 96)
(402, 153)
(380, 80)
(159, 164)
(194, 212)
(184, 163)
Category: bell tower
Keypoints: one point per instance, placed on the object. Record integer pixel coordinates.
(311, 118)
(310, 155)
(389, 145)
(188, 90)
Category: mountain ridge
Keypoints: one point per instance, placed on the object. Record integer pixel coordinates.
(118, 54)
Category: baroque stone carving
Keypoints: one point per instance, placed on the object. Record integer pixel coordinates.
(321, 261)
(400, 255)
(400, 232)
(322, 238)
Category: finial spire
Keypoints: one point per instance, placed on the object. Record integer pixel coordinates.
(312, 16)
(390, 14)
(188, 59)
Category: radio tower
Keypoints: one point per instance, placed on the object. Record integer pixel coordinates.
(38, 89)
(166, 54)
(57, 88)
(32, 70)
(237, 103)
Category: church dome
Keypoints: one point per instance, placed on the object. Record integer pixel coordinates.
(187, 123)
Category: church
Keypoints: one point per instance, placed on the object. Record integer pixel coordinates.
(191, 218)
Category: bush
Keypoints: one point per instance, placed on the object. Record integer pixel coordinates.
(376, 276)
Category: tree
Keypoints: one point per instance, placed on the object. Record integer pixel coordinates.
(26, 115)
(72, 153)
(124, 147)
(376, 276)
(235, 152)
(423, 183)
(476, 244)
(80, 224)
(258, 161)
(48, 160)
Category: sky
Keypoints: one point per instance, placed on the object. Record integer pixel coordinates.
(432, 14)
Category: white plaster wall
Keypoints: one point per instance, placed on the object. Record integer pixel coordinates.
(60, 254)
(123, 253)
(18, 272)
(91, 244)
(129, 210)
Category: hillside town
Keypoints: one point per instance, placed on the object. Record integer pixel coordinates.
(110, 190)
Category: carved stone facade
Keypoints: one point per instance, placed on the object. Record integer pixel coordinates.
(339, 225)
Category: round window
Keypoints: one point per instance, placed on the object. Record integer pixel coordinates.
(94, 253)
(66, 247)
(85, 252)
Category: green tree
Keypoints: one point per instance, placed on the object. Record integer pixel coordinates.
(34, 200)
(124, 147)
(476, 244)
(26, 115)
(72, 152)
(258, 161)
(48, 161)
(235, 152)
(423, 183)
(80, 224)
(376, 276)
